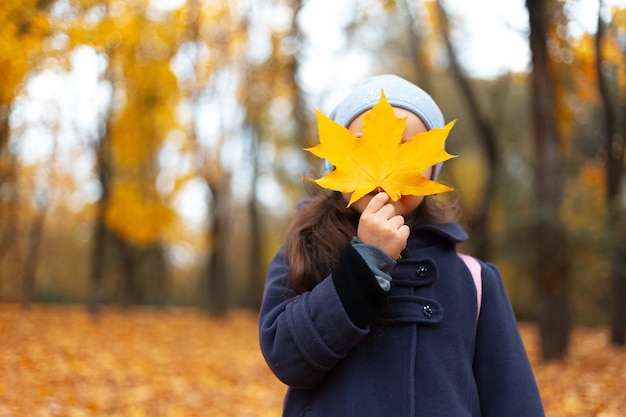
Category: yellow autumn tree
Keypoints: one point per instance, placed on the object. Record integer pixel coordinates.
(23, 27)
(613, 51)
(138, 42)
(573, 65)
(22, 30)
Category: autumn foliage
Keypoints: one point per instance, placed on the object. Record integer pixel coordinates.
(58, 361)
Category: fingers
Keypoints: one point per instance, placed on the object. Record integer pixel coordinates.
(404, 231)
(380, 226)
(396, 222)
(376, 203)
(380, 205)
(381, 210)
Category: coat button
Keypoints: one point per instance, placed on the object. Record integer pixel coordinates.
(428, 311)
(421, 271)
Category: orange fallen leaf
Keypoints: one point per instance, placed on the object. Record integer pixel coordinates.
(379, 159)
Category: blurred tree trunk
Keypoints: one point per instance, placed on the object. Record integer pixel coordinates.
(300, 114)
(614, 149)
(616, 220)
(143, 274)
(551, 253)
(478, 224)
(129, 288)
(31, 258)
(5, 111)
(9, 198)
(140, 272)
(215, 276)
(42, 198)
(254, 292)
(33, 241)
(100, 230)
(218, 271)
(132, 211)
(103, 170)
(422, 75)
(98, 245)
(284, 70)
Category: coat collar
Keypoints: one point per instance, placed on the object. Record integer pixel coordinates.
(452, 232)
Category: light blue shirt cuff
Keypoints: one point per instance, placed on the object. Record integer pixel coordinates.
(378, 261)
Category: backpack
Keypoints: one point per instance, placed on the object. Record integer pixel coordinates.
(474, 267)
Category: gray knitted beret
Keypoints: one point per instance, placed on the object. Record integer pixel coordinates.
(399, 93)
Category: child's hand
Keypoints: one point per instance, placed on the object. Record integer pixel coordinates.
(380, 226)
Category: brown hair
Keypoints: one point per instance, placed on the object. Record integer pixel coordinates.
(323, 226)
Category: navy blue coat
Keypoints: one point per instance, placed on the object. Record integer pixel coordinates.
(348, 348)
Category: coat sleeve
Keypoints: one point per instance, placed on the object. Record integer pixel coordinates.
(302, 337)
(505, 380)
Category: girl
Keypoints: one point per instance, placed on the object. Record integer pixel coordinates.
(370, 311)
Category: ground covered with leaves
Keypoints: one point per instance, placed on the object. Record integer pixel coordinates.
(58, 361)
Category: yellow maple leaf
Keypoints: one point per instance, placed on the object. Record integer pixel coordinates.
(379, 159)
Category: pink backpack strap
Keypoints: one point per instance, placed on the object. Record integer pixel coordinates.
(474, 267)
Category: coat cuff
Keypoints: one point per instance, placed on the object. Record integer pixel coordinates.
(359, 291)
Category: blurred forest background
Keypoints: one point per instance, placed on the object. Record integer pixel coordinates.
(151, 150)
